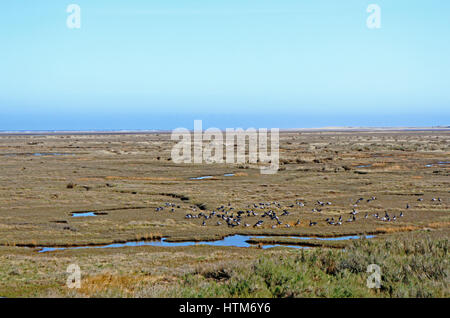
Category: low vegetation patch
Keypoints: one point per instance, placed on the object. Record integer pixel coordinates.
(409, 268)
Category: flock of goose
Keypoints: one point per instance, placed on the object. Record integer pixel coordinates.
(272, 213)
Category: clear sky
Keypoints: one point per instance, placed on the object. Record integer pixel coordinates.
(160, 64)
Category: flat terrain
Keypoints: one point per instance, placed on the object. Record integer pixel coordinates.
(125, 178)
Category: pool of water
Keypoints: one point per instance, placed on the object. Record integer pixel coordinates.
(38, 154)
(201, 178)
(338, 238)
(51, 154)
(364, 166)
(233, 240)
(209, 177)
(440, 163)
(81, 214)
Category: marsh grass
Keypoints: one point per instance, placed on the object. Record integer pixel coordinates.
(409, 268)
(126, 181)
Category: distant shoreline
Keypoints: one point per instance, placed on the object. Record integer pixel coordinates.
(140, 132)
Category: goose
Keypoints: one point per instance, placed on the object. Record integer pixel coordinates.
(258, 223)
(312, 223)
(298, 222)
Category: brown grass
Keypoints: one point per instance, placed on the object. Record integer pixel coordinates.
(124, 284)
(391, 229)
(436, 225)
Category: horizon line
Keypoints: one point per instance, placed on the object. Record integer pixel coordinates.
(134, 131)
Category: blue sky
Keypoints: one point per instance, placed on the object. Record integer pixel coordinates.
(146, 64)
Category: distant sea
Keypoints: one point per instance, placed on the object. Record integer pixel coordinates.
(133, 122)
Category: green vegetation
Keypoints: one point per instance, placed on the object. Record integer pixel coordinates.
(410, 268)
